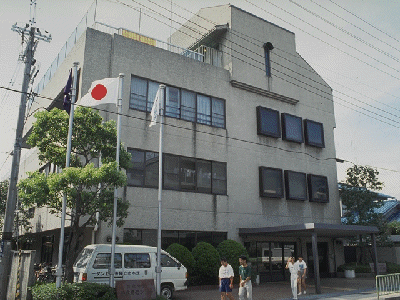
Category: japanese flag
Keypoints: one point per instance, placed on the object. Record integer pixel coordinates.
(101, 92)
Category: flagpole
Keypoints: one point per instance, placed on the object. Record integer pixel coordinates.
(160, 160)
(114, 226)
(67, 161)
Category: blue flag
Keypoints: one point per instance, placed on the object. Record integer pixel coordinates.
(67, 94)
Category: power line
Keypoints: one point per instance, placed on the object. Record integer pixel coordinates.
(366, 22)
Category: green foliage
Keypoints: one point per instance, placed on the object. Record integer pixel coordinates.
(231, 250)
(394, 228)
(207, 263)
(88, 189)
(392, 267)
(360, 201)
(85, 195)
(358, 268)
(3, 196)
(81, 291)
(90, 136)
(182, 254)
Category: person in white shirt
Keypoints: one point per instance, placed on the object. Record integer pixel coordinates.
(226, 279)
(293, 269)
(302, 266)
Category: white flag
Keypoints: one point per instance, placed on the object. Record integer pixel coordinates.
(101, 92)
(155, 110)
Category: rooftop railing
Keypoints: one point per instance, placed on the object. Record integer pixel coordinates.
(89, 20)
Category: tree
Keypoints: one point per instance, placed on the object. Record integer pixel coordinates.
(88, 189)
(358, 196)
(3, 200)
(361, 202)
(232, 250)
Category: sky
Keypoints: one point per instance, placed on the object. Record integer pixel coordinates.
(353, 44)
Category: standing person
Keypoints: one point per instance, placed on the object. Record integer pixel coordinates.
(226, 279)
(302, 274)
(293, 269)
(245, 279)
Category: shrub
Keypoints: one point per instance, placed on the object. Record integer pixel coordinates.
(358, 268)
(82, 291)
(392, 267)
(182, 254)
(363, 269)
(231, 250)
(206, 265)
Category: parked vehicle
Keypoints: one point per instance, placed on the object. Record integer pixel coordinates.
(132, 262)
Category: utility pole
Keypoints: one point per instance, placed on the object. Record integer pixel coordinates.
(5, 265)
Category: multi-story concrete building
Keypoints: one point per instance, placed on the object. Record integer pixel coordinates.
(249, 150)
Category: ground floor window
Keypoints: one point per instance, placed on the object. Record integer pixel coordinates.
(189, 239)
(47, 249)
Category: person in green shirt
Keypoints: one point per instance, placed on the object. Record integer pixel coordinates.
(245, 279)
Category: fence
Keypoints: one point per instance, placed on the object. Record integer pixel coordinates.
(387, 284)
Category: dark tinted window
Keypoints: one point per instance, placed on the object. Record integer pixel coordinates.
(314, 133)
(137, 260)
(204, 176)
(103, 261)
(172, 102)
(219, 178)
(318, 188)
(171, 172)
(268, 122)
(188, 173)
(271, 183)
(292, 128)
(296, 185)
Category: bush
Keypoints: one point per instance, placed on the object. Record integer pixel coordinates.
(206, 265)
(182, 254)
(231, 250)
(82, 291)
(392, 267)
(358, 268)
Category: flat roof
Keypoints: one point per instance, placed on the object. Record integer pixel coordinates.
(306, 229)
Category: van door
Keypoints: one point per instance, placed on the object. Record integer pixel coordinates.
(99, 273)
(173, 272)
(137, 266)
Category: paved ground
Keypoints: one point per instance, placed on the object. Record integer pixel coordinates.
(331, 288)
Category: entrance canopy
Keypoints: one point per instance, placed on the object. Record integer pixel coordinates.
(315, 230)
(307, 229)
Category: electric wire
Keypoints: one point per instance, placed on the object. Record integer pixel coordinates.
(347, 32)
(366, 22)
(285, 74)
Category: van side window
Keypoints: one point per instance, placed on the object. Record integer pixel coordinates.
(137, 260)
(167, 261)
(103, 261)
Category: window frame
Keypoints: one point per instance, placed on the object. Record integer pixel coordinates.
(212, 117)
(284, 129)
(310, 188)
(306, 134)
(287, 185)
(261, 182)
(260, 130)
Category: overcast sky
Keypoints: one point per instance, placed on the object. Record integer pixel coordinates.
(353, 44)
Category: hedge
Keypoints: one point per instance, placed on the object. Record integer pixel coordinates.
(182, 254)
(70, 291)
(231, 250)
(206, 265)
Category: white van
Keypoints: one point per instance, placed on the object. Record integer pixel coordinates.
(132, 262)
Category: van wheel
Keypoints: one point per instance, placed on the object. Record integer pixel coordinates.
(166, 291)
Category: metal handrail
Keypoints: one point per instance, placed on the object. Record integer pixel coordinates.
(387, 284)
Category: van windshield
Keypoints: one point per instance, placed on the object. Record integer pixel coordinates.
(83, 258)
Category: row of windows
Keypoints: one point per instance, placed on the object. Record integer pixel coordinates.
(273, 182)
(269, 124)
(179, 173)
(179, 103)
(131, 261)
